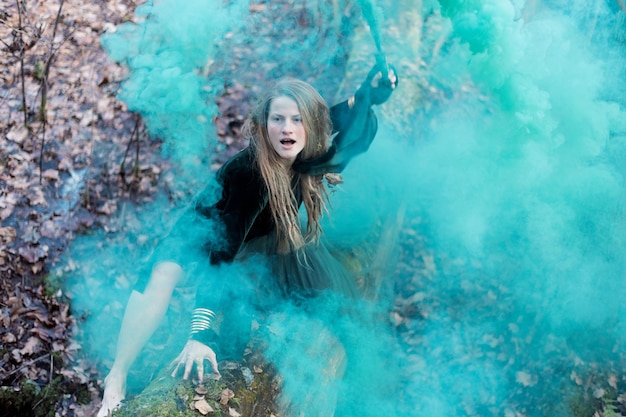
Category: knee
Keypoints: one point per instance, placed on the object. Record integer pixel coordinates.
(165, 275)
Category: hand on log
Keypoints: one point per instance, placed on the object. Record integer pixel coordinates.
(194, 353)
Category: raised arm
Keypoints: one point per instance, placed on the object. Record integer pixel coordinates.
(354, 124)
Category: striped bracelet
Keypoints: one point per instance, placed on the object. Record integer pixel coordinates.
(201, 320)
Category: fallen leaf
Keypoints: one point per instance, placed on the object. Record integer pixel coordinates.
(232, 412)
(203, 407)
(576, 378)
(17, 135)
(33, 344)
(36, 197)
(8, 338)
(226, 395)
(598, 392)
(108, 208)
(50, 230)
(51, 174)
(8, 234)
(32, 254)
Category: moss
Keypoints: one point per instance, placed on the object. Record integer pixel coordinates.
(52, 284)
(169, 397)
(30, 399)
(581, 407)
(164, 397)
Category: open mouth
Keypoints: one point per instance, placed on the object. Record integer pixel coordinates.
(287, 141)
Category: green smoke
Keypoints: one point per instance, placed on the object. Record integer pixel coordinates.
(521, 183)
(167, 53)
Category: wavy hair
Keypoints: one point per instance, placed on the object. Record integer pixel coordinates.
(279, 179)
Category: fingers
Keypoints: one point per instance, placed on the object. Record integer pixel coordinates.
(176, 361)
(195, 353)
(376, 79)
(390, 80)
(200, 366)
(175, 371)
(188, 366)
(213, 362)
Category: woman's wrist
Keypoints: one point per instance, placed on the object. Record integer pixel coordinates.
(201, 320)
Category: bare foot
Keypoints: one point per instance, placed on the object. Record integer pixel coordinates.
(114, 393)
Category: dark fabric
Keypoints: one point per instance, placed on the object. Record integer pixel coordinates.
(354, 128)
(377, 95)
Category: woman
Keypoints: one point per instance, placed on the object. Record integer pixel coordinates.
(252, 210)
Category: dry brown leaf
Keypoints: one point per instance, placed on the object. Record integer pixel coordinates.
(576, 378)
(5, 212)
(50, 230)
(256, 8)
(51, 174)
(37, 267)
(203, 407)
(17, 135)
(32, 254)
(33, 344)
(9, 338)
(226, 395)
(108, 207)
(233, 413)
(599, 392)
(36, 197)
(201, 390)
(8, 234)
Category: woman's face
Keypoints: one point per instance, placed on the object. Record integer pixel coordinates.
(285, 128)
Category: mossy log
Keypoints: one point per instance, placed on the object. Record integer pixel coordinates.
(247, 388)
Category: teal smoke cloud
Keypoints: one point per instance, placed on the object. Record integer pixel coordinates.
(516, 178)
(167, 52)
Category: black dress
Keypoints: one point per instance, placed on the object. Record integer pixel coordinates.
(231, 221)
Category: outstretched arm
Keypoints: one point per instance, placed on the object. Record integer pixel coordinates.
(240, 203)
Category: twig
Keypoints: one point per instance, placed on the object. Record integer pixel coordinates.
(23, 366)
(134, 133)
(56, 21)
(44, 91)
(22, 73)
(136, 167)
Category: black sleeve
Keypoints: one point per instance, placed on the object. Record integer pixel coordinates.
(354, 126)
(243, 197)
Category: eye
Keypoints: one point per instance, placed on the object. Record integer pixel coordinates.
(297, 119)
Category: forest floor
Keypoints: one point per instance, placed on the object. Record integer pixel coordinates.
(73, 156)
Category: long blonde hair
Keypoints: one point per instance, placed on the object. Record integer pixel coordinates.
(277, 177)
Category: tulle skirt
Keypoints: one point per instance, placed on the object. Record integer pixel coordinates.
(300, 274)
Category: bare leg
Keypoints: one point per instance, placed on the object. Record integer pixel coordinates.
(142, 317)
